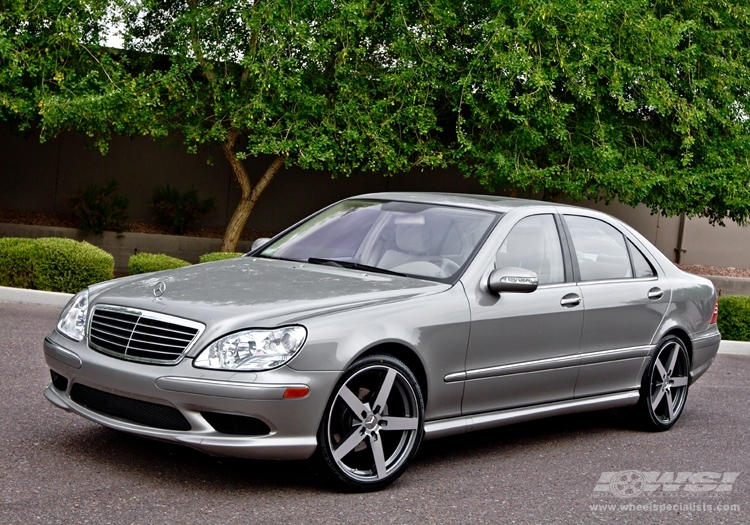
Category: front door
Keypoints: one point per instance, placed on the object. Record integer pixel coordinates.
(524, 348)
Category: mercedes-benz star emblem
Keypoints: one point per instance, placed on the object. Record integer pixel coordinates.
(159, 289)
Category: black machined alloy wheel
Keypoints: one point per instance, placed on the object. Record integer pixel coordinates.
(665, 385)
(373, 424)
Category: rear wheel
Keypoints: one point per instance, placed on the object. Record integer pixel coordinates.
(664, 387)
(373, 424)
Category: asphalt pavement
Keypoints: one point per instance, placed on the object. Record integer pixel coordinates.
(589, 468)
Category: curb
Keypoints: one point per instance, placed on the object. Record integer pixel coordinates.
(734, 348)
(37, 297)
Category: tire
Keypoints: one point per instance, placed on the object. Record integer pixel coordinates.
(664, 387)
(369, 435)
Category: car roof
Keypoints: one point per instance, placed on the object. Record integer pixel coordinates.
(465, 200)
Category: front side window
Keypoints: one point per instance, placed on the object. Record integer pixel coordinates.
(599, 248)
(534, 244)
(422, 240)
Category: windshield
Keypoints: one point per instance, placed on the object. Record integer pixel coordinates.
(421, 240)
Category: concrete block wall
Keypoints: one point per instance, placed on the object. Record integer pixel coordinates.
(42, 177)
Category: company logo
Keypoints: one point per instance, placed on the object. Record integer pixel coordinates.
(159, 289)
(632, 483)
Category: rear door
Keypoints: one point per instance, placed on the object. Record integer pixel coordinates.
(624, 303)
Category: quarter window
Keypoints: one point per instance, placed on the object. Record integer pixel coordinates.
(641, 265)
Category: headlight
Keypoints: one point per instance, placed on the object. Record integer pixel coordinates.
(253, 349)
(72, 321)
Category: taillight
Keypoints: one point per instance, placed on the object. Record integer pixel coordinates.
(715, 315)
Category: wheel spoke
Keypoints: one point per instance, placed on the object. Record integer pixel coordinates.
(377, 452)
(673, 358)
(655, 400)
(354, 403)
(399, 423)
(679, 381)
(660, 368)
(356, 437)
(385, 391)
(670, 405)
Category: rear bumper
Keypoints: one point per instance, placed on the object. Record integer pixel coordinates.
(293, 423)
(705, 346)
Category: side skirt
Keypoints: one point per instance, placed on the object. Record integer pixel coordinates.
(460, 425)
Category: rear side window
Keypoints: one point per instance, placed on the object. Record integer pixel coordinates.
(599, 248)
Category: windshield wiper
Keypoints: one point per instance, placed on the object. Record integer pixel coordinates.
(353, 266)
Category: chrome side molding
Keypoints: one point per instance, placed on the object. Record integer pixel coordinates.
(460, 425)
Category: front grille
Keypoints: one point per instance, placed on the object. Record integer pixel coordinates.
(135, 410)
(140, 335)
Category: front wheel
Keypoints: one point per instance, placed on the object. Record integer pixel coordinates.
(664, 387)
(373, 424)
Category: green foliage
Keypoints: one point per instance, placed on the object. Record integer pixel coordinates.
(219, 256)
(100, 208)
(734, 318)
(65, 265)
(16, 262)
(179, 211)
(640, 101)
(153, 262)
(643, 101)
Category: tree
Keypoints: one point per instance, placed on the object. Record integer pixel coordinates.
(643, 101)
(638, 100)
(337, 86)
(39, 43)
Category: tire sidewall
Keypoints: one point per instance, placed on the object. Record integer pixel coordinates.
(649, 418)
(328, 466)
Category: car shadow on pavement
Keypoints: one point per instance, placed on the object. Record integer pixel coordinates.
(512, 438)
(144, 460)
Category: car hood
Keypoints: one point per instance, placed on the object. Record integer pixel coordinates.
(253, 292)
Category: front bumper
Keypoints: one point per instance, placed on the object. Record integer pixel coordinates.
(293, 423)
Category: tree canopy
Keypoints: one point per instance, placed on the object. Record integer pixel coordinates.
(643, 101)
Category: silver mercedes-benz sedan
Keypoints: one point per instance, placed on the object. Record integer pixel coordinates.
(385, 319)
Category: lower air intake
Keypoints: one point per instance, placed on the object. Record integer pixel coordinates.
(135, 410)
(236, 425)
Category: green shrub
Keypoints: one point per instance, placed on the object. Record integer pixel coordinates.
(65, 265)
(177, 211)
(153, 262)
(219, 256)
(16, 262)
(100, 208)
(734, 318)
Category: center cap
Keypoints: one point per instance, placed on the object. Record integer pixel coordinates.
(371, 422)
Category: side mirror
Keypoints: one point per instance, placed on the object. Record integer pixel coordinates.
(259, 243)
(512, 280)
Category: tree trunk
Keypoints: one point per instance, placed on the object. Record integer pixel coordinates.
(250, 193)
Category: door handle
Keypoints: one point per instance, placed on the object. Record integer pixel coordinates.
(570, 300)
(655, 293)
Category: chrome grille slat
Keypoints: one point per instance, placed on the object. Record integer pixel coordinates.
(140, 335)
(100, 331)
(112, 326)
(135, 340)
